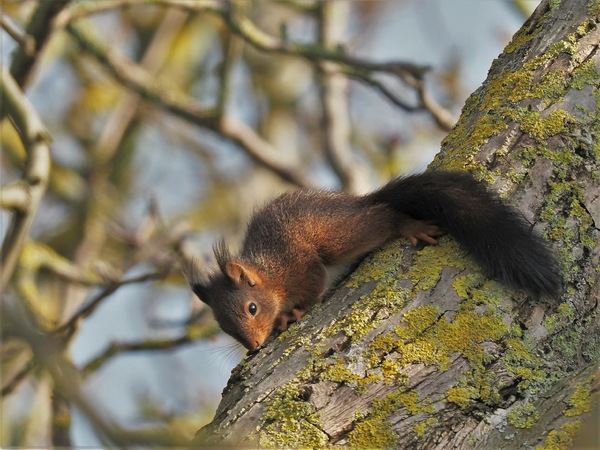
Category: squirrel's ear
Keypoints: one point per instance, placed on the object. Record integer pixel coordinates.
(201, 290)
(193, 278)
(238, 273)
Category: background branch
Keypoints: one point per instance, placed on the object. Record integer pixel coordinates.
(333, 20)
(70, 326)
(180, 105)
(67, 380)
(39, 29)
(14, 196)
(35, 176)
(116, 348)
(358, 68)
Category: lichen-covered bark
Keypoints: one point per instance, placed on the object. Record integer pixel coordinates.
(417, 349)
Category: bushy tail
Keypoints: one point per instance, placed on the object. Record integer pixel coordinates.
(494, 233)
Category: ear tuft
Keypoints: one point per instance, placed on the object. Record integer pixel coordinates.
(197, 282)
(238, 273)
(222, 254)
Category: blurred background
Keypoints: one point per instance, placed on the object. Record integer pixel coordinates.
(170, 121)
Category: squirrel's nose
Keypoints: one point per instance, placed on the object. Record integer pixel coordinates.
(253, 348)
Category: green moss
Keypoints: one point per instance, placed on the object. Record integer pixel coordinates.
(594, 7)
(427, 268)
(381, 268)
(585, 74)
(523, 416)
(554, 4)
(520, 38)
(494, 107)
(429, 337)
(339, 371)
(570, 196)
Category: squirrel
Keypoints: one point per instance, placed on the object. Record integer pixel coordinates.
(280, 272)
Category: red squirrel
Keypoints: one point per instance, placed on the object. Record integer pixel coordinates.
(280, 272)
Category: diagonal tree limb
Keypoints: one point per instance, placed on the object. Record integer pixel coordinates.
(19, 35)
(14, 196)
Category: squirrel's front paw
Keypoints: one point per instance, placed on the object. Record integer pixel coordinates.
(286, 318)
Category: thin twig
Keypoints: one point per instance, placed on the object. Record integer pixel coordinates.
(350, 65)
(443, 118)
(70, 325)
(115, 348)
(19, 35)
(108, 145)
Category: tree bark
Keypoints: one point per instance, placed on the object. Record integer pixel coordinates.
(416, 349)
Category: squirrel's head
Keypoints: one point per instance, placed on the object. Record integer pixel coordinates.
(242, 305)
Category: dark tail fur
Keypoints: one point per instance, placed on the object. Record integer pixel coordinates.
(494, 233)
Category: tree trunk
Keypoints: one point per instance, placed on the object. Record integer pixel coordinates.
(416, 349)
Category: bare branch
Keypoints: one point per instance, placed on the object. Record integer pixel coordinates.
(26, 41)
(47, 350)
(36, 140)
(70, 326)
(14, 196)
(116, 348)
(11, 385)
(179, 104)
(333, 19)
(261, 151)
(444, 119)
(357, 68)
(39, 30)
(107, 147)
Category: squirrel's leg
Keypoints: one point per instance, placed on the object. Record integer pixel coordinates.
(419, 230)
(303, 295)
(286, 318)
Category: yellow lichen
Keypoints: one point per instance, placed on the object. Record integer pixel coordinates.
(561, 439)
(582, 399)
(289, 421)
(523, 415)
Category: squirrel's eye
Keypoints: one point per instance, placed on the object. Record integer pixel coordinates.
(252, 308)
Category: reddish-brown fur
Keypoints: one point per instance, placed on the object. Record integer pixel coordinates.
(280, 270)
